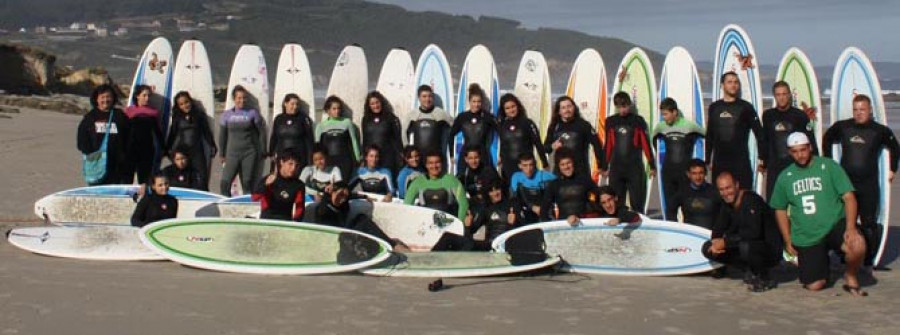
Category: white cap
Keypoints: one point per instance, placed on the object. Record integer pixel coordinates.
(797, 138)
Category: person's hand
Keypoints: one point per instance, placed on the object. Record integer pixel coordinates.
(612, 222)
(717, 247)
(142, 189)
(222, 158)
(652, 173)
(388, 198)
(573, 220)
(270, 179)
(761, 167)
(556, 145)
(789, 248)
(468, 220)
(536, 210)
(511, 217)
(328, 188)
(853, 239)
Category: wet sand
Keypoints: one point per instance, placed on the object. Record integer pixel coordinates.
(44, 295)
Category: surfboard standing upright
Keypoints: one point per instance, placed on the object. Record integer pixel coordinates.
(193, 74)
(533, 89)
(293, 76)
(587, 87)
(734, 52)
(350, 82)
(799, 73)
(434, 70)
(397, 83)
(249, 70)
(155, 70)
(679, 81)
(636, 77)
(478, 69)
(854, 75)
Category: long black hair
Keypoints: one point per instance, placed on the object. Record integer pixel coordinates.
(386, 108)
(183, 94)
(501, 110)
(555, 119)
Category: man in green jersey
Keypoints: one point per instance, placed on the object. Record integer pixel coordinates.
(818, 194)
(438, 189)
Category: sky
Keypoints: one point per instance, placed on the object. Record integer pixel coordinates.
(822, 28)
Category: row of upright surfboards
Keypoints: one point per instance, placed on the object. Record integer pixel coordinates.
(587, 85)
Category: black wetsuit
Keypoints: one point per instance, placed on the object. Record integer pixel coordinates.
(478, 129)
(727, 136)
(570, 195)
(283, 200)
(429, 131)
(152, 208)
(679, 140)
(293, 132)
(192, 132)
(92, 130)
(495, 219)
(751, 234)
(475, 181)
(861, 146)
(626, 140)
(577, 135)
(384, 130)
(517, 136)
(189, 177)
(777, 126)
(699, 205)
(145, 143)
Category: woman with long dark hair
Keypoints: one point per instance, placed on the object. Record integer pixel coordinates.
(380, 126)
(518, 135)
(292, 130)
(242, 138)
(338, 135)
(145, 145)
(192, 133)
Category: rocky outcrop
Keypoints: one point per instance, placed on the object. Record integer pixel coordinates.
(26, 70)
(64, 103)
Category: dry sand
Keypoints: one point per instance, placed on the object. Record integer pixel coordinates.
(44, 295)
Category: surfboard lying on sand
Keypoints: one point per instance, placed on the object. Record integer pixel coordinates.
(110, 243)
(263, 246)
(653, 248)
(853, 75)
(238, 207)
(110, 204)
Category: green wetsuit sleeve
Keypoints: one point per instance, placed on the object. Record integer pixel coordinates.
(412, 192)
(461, 199)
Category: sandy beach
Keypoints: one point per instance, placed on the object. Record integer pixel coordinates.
(44, 295)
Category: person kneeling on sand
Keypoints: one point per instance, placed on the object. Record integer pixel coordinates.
(744, 235)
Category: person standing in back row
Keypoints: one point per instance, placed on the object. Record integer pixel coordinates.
(679, 136)
(338, 135)
(105, 118)
(145, 145)
(381, 127)
(862, 140)
(626, 140)
(292, 130)
(569, 130)
(192, 133)
(242, 138)
(478, 128)
(429, 126)
(518, 135)
(779, 122)
(729, 123)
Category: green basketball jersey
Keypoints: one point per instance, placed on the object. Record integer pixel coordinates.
(813, 197)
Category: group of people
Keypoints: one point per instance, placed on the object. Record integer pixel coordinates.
(812, 205)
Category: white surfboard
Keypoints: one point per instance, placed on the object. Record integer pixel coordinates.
(796, 69)
(397, 82)
(110, 204)
(155, 70)
(587, 86)
(853, 75)
(653, 248)
(478, 69)
(238, 207)
(735, 52)
(263, 246)
(679, 80)
(533, 89)
(350, 82)
(293, 76)
(108, 243)
(453, 264)
(636, 77)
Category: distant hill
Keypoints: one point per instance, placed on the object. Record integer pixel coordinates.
(323, 27)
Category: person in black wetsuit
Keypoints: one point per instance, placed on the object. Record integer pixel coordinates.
(338, 135)
(626, 139)
(862, 140)
(334, 209)
(475, 176)
(777, 123)
(429, 127)
(568, 130)
(729, 123)
(281, 194)
(381, 127)
(145, 143)
(156, 205)
(293, 130)
(497, 216)
(699, 201)
(478, 127)
(745, 234)
(93, 128)
(679, 136)
(606, 205)
(518, 135)
(192, 133)
(181, 173)
(569, 194)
